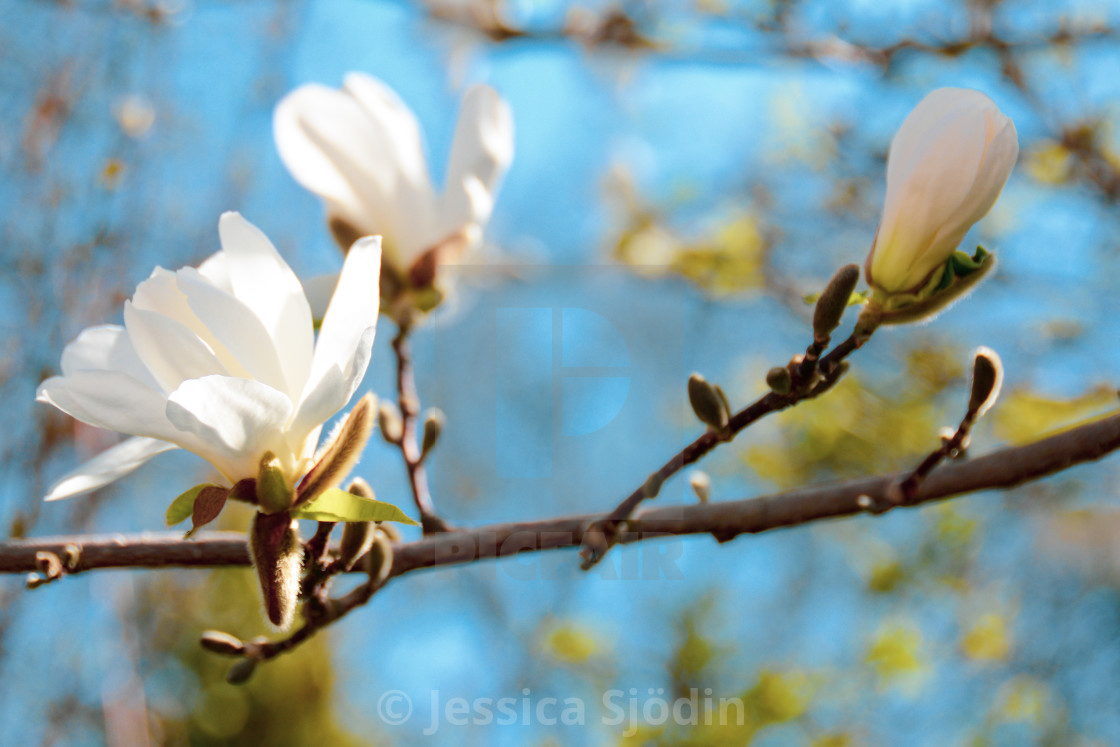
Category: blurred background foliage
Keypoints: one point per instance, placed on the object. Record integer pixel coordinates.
(729, 156)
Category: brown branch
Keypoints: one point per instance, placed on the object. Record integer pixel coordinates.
(409, 404)
(1001, 469)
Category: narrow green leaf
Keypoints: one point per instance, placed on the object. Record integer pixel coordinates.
(339, 505)
(182, 507)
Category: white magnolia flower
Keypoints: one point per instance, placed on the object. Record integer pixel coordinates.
(947, 165)
(360, 149)
(221, 361)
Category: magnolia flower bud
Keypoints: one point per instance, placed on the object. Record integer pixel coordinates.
(701, 485)
(241, 671)
(833, 302)
(708, 404)
(221, 643)
(389, 422)
(779, 380)
(277, 555)
(433, 427)
(987, 378)
(947, 165)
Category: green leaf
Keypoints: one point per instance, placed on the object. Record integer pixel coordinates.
(182, 507)
(339, 505)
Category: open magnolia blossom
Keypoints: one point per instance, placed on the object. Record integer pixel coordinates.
(222, 361)
(361, 150)
(948, 164)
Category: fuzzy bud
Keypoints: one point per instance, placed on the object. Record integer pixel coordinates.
(357, 536)
(834, 301)
(389, 529)
(341, 453)
(708, 404)
(241, 671)
(277, 556)
(379, 559)
(779, 380)
(218, 642)
(701, 485)
(433, 427)
(389, 422)
(987, 378)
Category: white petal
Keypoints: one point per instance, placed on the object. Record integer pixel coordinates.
(319, 403)
(237, 419)
(319, 290)
(161, 293)
(395, 128)
(345, 338)
(353, 308)
(263, 281)
(108, 466)
(235, 327)
(105, 348)
(169, 350)
(215, 268)
(360, 150)
(480, 155)
(305, 119)
(114, 401)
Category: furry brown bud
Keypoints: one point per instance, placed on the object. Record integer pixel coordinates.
(277, 556)
(987, 379)
(710, 407)
(834, 301)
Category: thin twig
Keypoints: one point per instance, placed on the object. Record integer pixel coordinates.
(409, 405)
(602, 534)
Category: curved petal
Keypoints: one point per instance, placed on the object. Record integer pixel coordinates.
(108, 466)
(360, 149)
(264, 282)
(480, 156)
(928, 121)
(319, 290)
(353, 310)
(305, 119)
(237, 419)
(160, 293)
(345, 341)
(113, 401)
(395, 127)
(215, 268)
(168, 349)
(105, 347)
(235, 327)
(319, 403)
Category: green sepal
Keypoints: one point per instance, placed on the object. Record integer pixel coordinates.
(335, 504)
(952, 281)
(182, 507)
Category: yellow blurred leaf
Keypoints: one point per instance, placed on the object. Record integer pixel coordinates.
(1049, 162)
(988, 639)
(571, 644)
(781, 696)
(1022, 416)
(895, 652)
(1024, 698)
